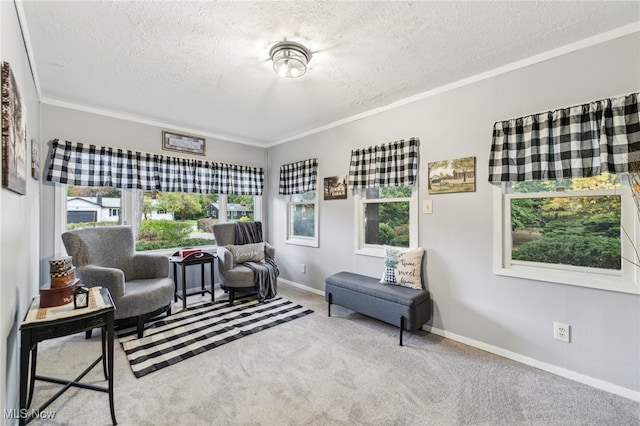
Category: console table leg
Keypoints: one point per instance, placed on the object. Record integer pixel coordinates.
(175, 282)
(32, 376)
(104, 347)
(25, 352)
(202, 279)
(184, 287)
(110, 337)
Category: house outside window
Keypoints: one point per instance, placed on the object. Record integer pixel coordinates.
(160, 217)
(386, 216)
(302, 219)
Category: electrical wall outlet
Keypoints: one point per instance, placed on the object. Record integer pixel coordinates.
(303, 268)
(561, 332)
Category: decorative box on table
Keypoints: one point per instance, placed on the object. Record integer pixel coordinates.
(59, 291)
(57, 296)
(188, 251)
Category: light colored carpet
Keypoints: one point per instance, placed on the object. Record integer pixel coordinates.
(343, 370)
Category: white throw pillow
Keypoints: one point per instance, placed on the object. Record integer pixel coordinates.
(403, 267)
(247, 252)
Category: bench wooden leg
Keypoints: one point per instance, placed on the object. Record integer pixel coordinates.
(401, 329)
(329, 304)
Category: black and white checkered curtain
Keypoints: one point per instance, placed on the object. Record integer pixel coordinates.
(391, 164)
(580, 141)
(299, 177)
(89, 165)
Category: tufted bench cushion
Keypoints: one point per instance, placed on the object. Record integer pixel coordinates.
(404, 307)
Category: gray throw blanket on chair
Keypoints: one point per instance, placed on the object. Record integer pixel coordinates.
(265, 274)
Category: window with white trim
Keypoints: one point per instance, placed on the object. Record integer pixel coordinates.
(386, 216)
(561, 213)
(298, 185)
(577, 231)
(302, 219)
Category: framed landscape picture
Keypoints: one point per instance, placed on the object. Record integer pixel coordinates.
(183, 143)
(14, 135)
(450, 176)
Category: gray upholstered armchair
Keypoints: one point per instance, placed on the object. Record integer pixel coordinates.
(139, 283)
(234, 277)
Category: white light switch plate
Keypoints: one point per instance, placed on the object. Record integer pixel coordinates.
(427, 206)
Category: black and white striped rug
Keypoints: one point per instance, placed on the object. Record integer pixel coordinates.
(200, 328)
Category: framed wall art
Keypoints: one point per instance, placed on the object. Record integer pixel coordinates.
(335, 188)
(35, 160)
(450, 176)
(14, 135)
(183, 143)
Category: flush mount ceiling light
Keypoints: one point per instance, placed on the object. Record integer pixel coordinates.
(290, 59)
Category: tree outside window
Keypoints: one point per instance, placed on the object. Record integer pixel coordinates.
(302, 219)
(162, 220)
(573, 222)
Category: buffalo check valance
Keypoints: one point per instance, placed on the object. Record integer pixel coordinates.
(299, 177)
(90, 165)
(580, 141)
(391, 164)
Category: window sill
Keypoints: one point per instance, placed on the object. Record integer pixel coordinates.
(300, 241)
(371, 251)
(601, 281)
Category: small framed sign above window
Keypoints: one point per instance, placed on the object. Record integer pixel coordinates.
(183, 143)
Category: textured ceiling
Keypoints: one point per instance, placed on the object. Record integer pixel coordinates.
(204, 66)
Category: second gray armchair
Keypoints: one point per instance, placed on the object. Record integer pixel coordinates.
(239, 276)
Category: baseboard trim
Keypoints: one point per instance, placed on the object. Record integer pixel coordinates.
(554, 369)
(559, 371)
(302, 287)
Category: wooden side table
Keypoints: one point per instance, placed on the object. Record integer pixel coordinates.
(200, 258)
(48, 323)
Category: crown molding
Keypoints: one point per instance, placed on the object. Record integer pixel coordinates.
(148, 121)
(532, 60)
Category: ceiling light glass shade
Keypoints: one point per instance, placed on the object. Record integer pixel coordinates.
(290, 59)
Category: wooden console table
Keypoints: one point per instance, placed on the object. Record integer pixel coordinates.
(48, 323)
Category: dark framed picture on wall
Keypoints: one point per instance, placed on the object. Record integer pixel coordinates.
(14, 134)
(335, 188)
(183, 143)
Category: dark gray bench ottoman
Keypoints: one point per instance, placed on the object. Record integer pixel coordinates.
(400, 306)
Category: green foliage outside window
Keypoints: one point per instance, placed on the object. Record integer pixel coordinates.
(387, 223)
(573, 230)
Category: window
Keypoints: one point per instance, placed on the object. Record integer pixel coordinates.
(165, 220)
(92, 206)
(242, 207)
(386, 216)
(571, 231)
(302, 219)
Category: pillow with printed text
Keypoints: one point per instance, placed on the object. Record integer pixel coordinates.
(247, 252)
(403, 267)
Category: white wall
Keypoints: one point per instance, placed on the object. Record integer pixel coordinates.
(19, 219)
(508, 314)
